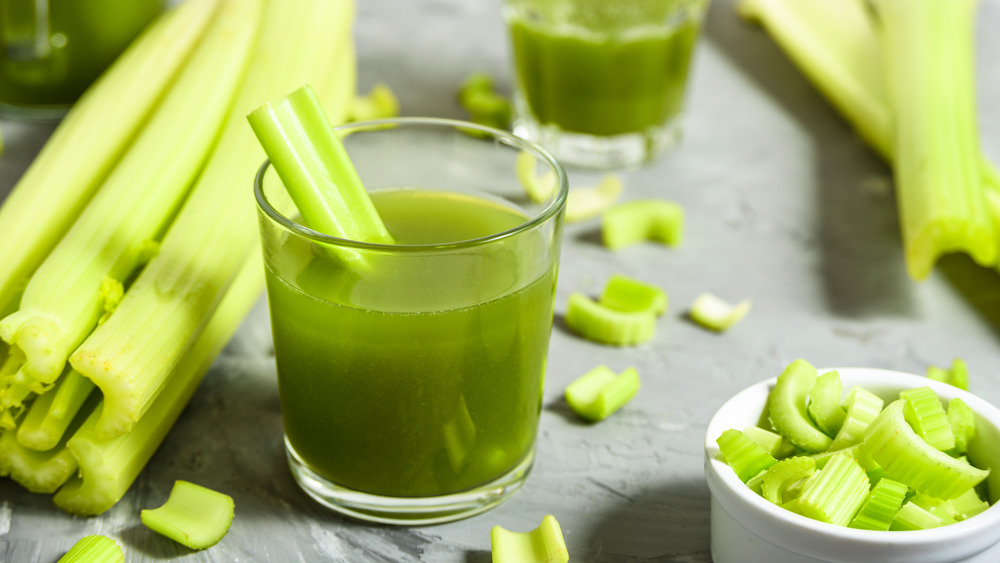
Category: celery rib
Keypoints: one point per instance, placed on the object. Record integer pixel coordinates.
(167, 306)
(599, 323)
(544, 544)
(194, 516)
(787, 404)
(632, 222)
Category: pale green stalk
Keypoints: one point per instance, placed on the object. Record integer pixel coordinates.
(63, 301)
(131, 355)
(51, 413)
(90, 139)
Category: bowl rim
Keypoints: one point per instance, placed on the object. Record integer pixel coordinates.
(808, 536)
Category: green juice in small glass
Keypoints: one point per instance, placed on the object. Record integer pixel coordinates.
(398, 382)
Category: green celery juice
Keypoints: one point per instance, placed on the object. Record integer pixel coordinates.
(421, 377)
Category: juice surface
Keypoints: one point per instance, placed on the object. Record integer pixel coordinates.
(401, 386)
(602, 82)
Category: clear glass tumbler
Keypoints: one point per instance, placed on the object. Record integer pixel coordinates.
(411, 380)
(600, 83)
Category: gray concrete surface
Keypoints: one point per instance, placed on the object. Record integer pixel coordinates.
(784, 206)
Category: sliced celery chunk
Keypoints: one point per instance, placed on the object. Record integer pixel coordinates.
(862, 408)
(380, 103)
(586, 202)
(788, 413)
(94, 549)
(772, 442)
(743, 454)
(824, 403)
(194, 516)
(837, 493)
(881, 506)
(925, 414)
(485, 106)
(539, 188)
(784, 480)
(633, 222)
(623, 293)
(600, 392)
(913, 517)
(544, 544)
(602, 324)
(713, 313)
(963, 424)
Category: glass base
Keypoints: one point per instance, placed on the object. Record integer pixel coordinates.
(626, 151)
(409, 511)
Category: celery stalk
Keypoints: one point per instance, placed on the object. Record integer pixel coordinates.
(166, 308)
(544, 544)
(600, 392)
(603, 324)
(51, 413)
(108, 467)
(837, 494)
(94, 549)
(787, 406)
(90, 139)
(62, 303)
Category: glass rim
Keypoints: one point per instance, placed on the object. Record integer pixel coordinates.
(557, 203)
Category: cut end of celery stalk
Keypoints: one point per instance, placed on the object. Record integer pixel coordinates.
(715, 314)
(633, 222)
(599, 323)
(544, 544)
(623, 293)
(600, 392)
(94, 549)
(194, 516)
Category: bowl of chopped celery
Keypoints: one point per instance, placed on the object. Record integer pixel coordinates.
(853, 465)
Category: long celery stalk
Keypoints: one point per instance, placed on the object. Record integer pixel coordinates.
(132, 354)
(89, 140)
(63, 300)
(107, 468)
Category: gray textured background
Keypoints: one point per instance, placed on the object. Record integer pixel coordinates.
(784, 206)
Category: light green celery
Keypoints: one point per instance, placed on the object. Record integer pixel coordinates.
(913, 517)
(544, 544)
(485, 106)
(959, 374)
(108, 467)
(967, 505)
(772, 442)
(63, 301)
(51, 413)
(539, 188)
(90, 139)
(94, 549)
(962, 421)
(586, 202)
(907, 458)
(881, 506)
(623, 293)
(744, 455)
(596, 322)
(713, 313)
(862, 408)
(193, 516)
(600, 392)
(926, 416)
(379, 103)
(311, 161)
(787, 408)
(824, 403)
(130, 356)
(837, 493)
(783, 481)
(632, 222)
(938, 374)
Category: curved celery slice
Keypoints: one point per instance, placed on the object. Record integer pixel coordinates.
(94, 549)
(837, 493)
(963, 424)
(379, 103)
(772, 442)
(787, 408)
(486, 107)
(927, 417)
(907, 458)
(713, 313)
(636, 221)
(862, 408)
(623, 293)
(590, 201)
(744, 455)
(912, 516)
(539, 188)
(600, 392)
(544, 544)
(601, 324)
(967, 505)
(881, 506)
(824, 403)
(194, 516)
(783, 481)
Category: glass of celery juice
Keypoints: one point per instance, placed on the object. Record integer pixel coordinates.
(602, 83)
(411, 374)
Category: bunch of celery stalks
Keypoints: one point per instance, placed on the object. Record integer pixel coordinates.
(130, 243)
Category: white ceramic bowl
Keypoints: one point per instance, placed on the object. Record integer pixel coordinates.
(748, 529)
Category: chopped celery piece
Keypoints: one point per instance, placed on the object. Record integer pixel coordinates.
(590, 201)
(623, 293)
(837, 493)
(94, 549)
(637, 221)
(938, 374)
(862, 408)
(600, 392)
(715, 314)
(167, 306)
(484, 104)
(824, 403)
(783, 481)
(544, 544)
(907, 458)
(941, 508)
(599, 323)
(194, 516)
(787, 408)
(967, 505)
(539, 188)
(962, 421)
(772, 442)
(926, 416)
(744, 455)
(380, 103)
(880, 508)
(51, 413)
(959, 375)
(913, 517)
(311, 161)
